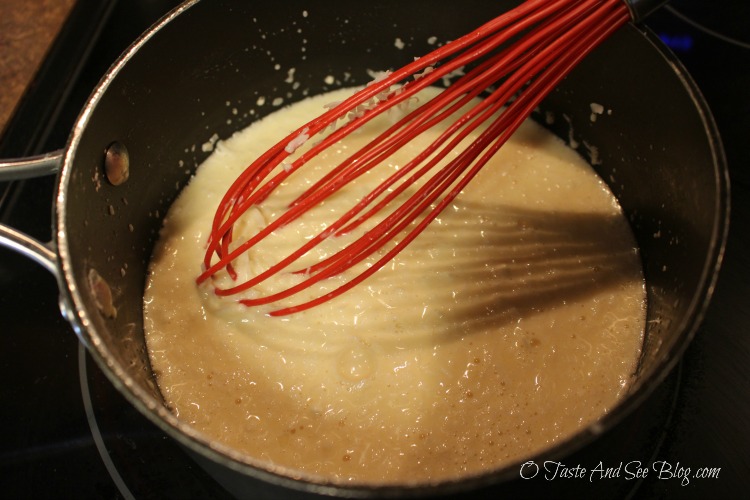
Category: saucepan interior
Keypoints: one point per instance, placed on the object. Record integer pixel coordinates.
(214, 66)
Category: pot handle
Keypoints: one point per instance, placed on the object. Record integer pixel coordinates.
(32, 166)
(25, 168)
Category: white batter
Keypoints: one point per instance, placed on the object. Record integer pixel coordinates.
(515, 320)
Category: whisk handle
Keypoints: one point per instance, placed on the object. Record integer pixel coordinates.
(640, 9)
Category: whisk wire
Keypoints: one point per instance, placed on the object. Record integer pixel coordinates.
(547, 39)
(258, 171)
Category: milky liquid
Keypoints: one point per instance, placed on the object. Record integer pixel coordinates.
(514, 321)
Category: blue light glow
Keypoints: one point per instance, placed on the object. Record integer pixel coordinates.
(678, 43)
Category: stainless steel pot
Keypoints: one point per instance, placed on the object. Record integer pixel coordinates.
(213, 66)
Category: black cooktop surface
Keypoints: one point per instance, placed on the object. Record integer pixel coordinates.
(68, 433)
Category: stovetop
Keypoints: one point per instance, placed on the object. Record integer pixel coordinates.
(68, 433)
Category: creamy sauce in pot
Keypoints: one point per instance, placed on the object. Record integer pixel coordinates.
(512, 322)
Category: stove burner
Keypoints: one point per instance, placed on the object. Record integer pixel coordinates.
(725, 20)
(730, 39)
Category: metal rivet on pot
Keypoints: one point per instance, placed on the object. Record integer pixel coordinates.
(102, 294)
(117, 163)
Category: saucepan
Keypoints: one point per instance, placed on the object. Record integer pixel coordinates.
(211, 67)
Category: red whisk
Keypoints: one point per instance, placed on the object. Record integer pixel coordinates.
(516, 60)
